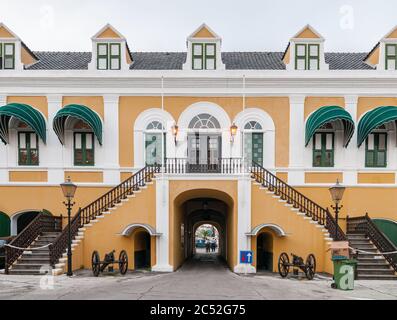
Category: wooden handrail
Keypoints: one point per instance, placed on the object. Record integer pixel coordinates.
(296, 199)
(41, 223)
(101, 205)
(366, 225)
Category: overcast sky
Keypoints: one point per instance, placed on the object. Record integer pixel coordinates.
(163, 25)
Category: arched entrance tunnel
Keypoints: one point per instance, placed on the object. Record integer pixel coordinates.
(196, 208)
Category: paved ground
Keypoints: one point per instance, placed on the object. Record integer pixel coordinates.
(204, 277)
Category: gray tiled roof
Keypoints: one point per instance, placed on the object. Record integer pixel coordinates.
(175, 60)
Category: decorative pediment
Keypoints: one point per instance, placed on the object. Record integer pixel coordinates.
(204, 32)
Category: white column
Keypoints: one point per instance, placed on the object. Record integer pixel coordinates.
(110, 147)
(51, 155)
(162, 226)
(244, 222)
(296, 140)
(351, 155)
(3, 151)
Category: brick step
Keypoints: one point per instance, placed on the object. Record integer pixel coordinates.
(47, 238)
(371, 266)
(356, 236)
(371, 261)
(375, 256)
(26, 272)
(369, 248)
(40, 244)
(29, 266)
(35, 255)
(51, 234)
(376, 277)
(34, 260)
(355, 242)
(378, 271)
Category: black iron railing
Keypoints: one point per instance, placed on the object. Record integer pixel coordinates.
(224, 166)
(296, 199)
(99, 206)
(41, 223)
(365, 225)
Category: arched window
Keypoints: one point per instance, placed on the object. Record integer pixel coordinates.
(253, 142)
(253, 125)
(204, 121)
(155, 137)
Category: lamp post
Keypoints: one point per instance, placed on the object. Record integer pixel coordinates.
(69, 189)
(337, 192)
(233, 131)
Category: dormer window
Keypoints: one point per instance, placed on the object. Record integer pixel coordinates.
(391, 57)
(307, 56)
(204, 56)
(109, 56)
(7, 56)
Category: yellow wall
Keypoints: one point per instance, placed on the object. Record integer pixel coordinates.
(302, 237)
(5, 34)
(108, 33)
(26, 57)
(307, 34)
(314, 103)
(104, 236)
(373, 58)
(14, 199)
(37, 102)
(287, 56)
(80, 176)
(392, 35)
(323, 177)
(28, 176)
(203, 33)
(183, 190)
(368, 103)
(376, 178)
(94, 103)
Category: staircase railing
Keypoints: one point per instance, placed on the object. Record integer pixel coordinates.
(41, 223)
(365, 225)
(99, 206)
(297, 200)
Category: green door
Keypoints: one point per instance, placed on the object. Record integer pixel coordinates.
(389, 228)
(4, 225)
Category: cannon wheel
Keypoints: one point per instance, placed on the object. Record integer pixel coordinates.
(96, 263)
(123, 262)
(310, 269)
(283, 265)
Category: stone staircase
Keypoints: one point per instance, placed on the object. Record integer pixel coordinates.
(371, 265)
(35, 262)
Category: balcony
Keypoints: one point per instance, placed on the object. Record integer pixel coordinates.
(221, 166)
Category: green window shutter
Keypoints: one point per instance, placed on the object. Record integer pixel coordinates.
(323, 149)
(210, 56)
(313, 57)
(115, 56)
(9, 56)
(376, 150)
(153, 148)
(102, 56)
(253, 147)
(391, 57)
(197, 56)
(84, 149)
(28, 149)
(301, 57)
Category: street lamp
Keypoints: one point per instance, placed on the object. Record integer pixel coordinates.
(69, 189)
(337, 192)
(233, 131)
(175, 131)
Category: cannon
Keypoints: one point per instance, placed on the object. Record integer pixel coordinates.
(308, 267)
(108, 262)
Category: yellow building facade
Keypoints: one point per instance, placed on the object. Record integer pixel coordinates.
(161, 143)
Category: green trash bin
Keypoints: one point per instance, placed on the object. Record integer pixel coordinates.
(344, 273)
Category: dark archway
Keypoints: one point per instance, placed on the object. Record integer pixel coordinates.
(5, 225)
(264, 251)
(25, 219)
(142, 250)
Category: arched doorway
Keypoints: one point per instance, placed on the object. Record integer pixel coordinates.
(142, 249)
(21, 220)
(264, 251)
(4, 225)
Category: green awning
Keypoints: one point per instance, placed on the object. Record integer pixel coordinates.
(24, 113)
(326, 115)
(80, 112)
(373, 119)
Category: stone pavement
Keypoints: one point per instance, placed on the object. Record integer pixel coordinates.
(202, 278)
